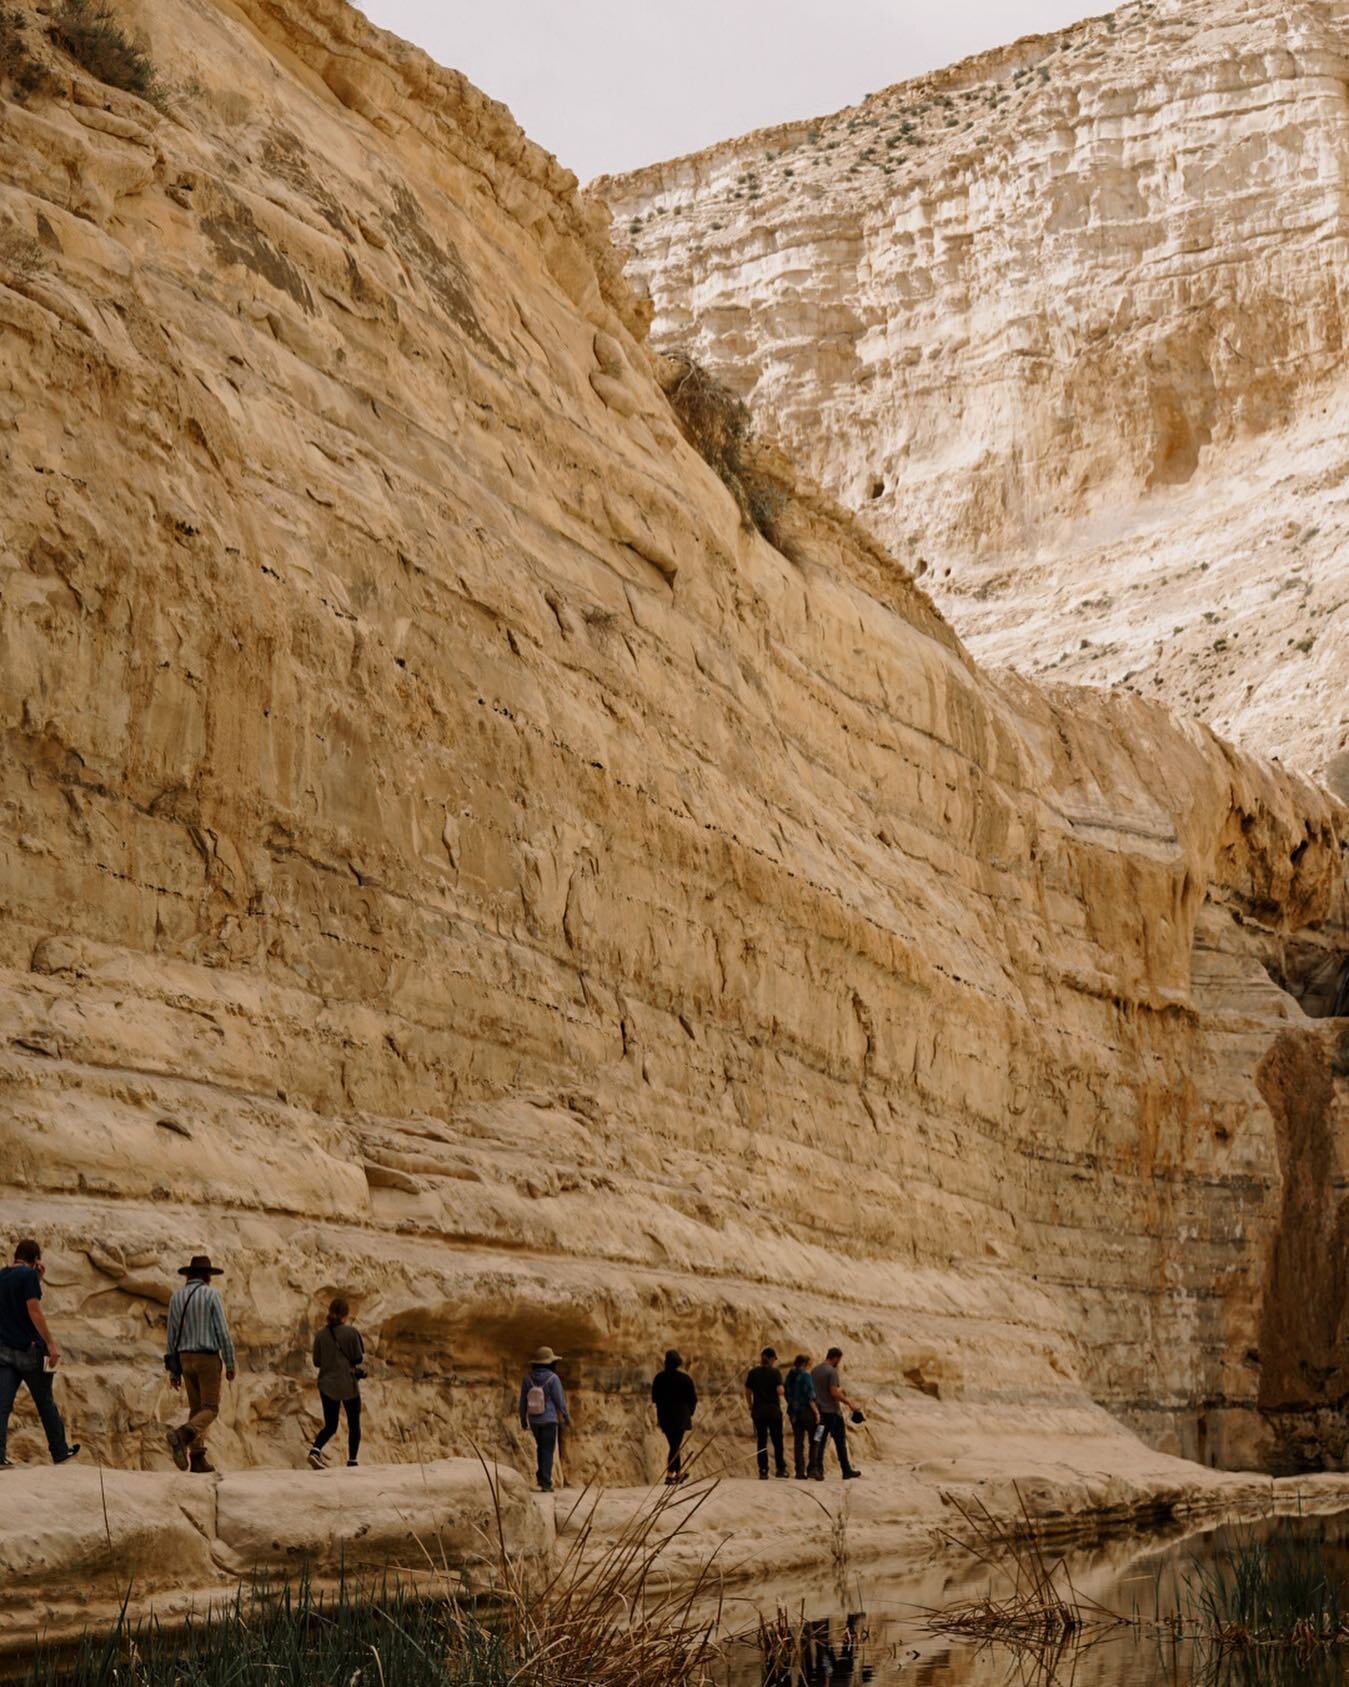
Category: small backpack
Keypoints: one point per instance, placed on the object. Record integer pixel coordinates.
(536, 1401)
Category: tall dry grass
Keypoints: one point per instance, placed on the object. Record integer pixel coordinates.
(602, 1614)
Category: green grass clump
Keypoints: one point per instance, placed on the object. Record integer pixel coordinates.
(1278, 1590)
(91, 35)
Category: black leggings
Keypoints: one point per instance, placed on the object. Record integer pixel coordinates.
(766, 1428)
(674, 1439)
(331, 1408)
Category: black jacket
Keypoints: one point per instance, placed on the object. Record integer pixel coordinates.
(675, 1399)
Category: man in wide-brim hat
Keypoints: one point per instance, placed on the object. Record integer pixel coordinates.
(196, 1353)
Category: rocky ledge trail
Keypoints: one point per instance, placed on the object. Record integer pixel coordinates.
(449, 859)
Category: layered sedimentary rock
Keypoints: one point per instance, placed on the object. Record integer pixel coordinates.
(89, 1547)
(447, 859)
(1065, 324)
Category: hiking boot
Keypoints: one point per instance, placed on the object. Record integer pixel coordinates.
(851, 1475)
(316, 1459)
(178, 1440)
(200, 1466)
(763, 1476)
(7, 1464)
(351, 1464)
(817, 1476)
(70, 1452)
(781, 1473)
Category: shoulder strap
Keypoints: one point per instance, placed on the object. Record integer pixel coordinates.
(187, 1301)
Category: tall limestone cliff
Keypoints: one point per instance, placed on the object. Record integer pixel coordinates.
(1065, 324)
(446, 858)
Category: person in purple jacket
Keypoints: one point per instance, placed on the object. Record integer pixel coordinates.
(543, 1408)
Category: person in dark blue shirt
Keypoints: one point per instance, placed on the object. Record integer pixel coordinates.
(802, 1411)
(28, 1352)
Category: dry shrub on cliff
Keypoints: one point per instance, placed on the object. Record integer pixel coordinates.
(98, 43)
(20, 69)
(718, 426)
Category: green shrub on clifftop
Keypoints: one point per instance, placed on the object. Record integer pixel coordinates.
(97, 42)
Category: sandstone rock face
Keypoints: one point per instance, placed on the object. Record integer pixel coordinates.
(75, 1546)
(1065, 324)
(446, 859)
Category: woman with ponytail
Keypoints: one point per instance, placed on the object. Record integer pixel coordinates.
(339, 1355)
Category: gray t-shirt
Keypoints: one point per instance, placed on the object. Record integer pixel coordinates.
(825, 1376)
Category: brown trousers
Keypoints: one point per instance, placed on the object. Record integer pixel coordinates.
(201, 1379)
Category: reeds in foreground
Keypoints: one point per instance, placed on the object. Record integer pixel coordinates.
(601, 1617)
(1261, 1607)
(1276, 1590)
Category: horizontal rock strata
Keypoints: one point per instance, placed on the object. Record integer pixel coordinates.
(1065, 324)
(447, 859)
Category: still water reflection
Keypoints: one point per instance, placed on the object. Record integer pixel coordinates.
(869, 1627)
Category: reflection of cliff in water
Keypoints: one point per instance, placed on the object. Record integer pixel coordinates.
(881, 1636)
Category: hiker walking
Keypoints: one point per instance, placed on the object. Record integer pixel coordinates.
(339, 1358)
(802, 1411)
(28, 1352)
(763, 1392)
(832, 1401)
(543, 1408)
(675, 1399)
(197, 1351)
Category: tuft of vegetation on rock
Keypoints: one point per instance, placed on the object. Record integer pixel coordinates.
(718, 426)
(20, 69)
(92, 36)
(598, 1617)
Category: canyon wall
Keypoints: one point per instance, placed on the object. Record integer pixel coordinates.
(447, 859)
(1065, 325)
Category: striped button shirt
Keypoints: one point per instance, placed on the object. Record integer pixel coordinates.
(197, 1323)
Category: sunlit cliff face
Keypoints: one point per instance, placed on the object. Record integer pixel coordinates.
(1064, 326)
(448, 860)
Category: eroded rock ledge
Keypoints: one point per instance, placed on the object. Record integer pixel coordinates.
(445, 858)
(76, 1543)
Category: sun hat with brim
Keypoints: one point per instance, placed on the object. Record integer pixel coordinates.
(544, 1355)
(201, 1267)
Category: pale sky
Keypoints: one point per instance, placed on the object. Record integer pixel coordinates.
(611, 84)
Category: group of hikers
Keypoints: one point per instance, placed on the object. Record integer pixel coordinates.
(199, 1356)
(813, 1399)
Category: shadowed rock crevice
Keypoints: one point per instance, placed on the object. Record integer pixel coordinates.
(1304, 1322)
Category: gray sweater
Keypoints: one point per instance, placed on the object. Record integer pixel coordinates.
(338, 1350)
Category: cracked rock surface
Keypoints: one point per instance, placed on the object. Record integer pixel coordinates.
(448, 860)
